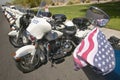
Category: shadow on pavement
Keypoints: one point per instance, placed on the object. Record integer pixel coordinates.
(114, 75)
(91, 74)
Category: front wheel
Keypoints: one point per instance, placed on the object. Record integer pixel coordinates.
(16, 43)
(25, 65)
(23, 40)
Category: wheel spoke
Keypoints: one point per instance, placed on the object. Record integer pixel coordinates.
(26, 62)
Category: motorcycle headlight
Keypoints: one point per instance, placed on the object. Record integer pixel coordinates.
(31, 37)
(102, 22)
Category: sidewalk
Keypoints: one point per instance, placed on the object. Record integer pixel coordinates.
(110, 32)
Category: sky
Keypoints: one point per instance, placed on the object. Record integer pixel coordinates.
(4, 1)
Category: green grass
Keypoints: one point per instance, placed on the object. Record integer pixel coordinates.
(70, 11)
(111, 8)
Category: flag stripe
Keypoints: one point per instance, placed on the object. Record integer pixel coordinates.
(91, 46)
(81, 46)
(78, 62)
(93, 52)
(75, 55)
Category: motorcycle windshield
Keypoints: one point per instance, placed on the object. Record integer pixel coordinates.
(38, 27)
(97, 16)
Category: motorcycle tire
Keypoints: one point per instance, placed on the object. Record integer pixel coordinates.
(13, 41)
(25, 64)
(19, 43)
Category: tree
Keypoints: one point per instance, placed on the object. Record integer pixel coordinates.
(30, 3)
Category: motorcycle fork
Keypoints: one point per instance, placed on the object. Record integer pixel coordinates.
(37, 46)
(48, 50)
(34, 52)
(48, 53)
(19, 34)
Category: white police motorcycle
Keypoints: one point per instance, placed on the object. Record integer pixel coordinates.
(51, 40)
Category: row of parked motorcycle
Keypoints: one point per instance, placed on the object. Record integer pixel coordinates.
(49, 37)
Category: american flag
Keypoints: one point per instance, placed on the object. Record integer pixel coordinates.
(95, 50)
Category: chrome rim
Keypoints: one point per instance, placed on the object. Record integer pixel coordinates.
(26, 61)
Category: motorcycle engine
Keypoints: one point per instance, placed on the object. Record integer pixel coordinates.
(59, 48)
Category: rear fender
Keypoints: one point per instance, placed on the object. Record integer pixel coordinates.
(24, 51)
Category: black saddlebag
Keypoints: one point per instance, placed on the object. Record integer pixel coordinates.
(82, 23)
(115, 42)
(59, 18)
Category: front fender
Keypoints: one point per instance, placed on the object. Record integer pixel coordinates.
(24, 51)
(13, 33)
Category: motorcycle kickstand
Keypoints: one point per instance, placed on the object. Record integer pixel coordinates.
(52, 63)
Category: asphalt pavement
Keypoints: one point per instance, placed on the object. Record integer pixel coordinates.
(62, 71)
